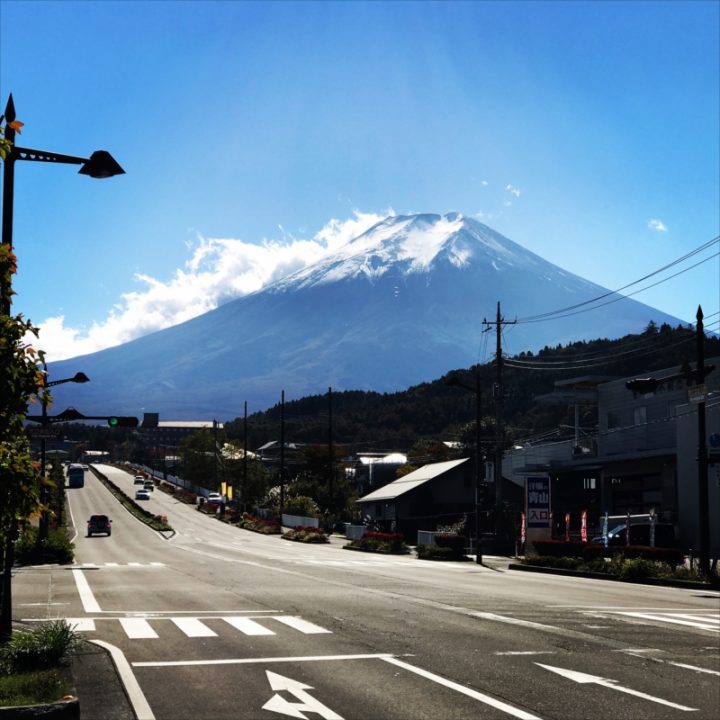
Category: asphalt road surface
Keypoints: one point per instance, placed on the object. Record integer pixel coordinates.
(217, 622)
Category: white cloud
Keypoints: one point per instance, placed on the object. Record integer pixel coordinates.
(484, 183)
(219, 270)
(655, 224)
(512, 189)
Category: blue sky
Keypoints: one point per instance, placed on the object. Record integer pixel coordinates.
(257, 136)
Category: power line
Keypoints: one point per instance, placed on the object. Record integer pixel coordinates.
(565, 312)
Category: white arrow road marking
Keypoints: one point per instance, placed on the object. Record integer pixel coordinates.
(584, 678)
(279, 704)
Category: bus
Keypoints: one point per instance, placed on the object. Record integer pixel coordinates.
(76, 476)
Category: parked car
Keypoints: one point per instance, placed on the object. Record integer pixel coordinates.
(139, 480)
(99, 524)
(640, 535)
(142, 494)
(214, 497)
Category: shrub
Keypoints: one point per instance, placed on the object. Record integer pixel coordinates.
(256, 524)
(47, 646)
(57, 548)
(306, 535)
(303, 506)
(453, 542)
(434, 552)
(379, 542)
(45, 686)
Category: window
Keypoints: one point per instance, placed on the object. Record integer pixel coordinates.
(640, 415)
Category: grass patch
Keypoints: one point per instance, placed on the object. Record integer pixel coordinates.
(32, 688)
(47, 646)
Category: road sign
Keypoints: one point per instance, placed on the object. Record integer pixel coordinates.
(47, 432)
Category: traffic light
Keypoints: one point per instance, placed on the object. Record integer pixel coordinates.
(117, 421)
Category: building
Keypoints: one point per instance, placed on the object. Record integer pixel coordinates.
(435, 494)
(641, 457)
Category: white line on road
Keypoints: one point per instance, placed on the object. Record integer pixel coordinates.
(257, 661)
(693, 667)
(248, 626)
(482, 697)
(138, 629)
(90, 604)
(192, 627)
(525, 652)
(132, 687)
(515, 621)
(302, 625)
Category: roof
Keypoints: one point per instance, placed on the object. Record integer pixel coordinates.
(188, 424)
(412, 480)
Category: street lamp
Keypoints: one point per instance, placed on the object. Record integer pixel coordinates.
(479, 480)
(647, 386)
(79, 377)
(99, 165)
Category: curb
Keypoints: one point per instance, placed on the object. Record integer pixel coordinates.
(61, 710)
(683, 584)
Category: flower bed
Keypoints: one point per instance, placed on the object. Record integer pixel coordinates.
(306, 534)
(380, 542)
(256, 524)
(592, 551)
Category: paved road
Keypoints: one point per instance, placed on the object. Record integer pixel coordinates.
(217, 622)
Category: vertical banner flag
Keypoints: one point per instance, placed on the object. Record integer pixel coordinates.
(567, 527)
(605, 528)
(537, 502)
(522, 528)
(627, 529)
(583, 526)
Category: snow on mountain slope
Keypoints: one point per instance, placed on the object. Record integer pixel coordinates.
(400, 304)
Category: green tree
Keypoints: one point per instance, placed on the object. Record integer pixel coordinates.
(200, 460)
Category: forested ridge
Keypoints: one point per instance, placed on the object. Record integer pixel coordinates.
(442, 410)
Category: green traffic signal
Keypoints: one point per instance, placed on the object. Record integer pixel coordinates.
(117, 421)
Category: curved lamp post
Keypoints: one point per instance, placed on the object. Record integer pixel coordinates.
(100, 164)
(79, 377)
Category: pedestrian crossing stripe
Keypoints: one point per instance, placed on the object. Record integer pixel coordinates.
(95, 566)
(139, 628)
(696, 619)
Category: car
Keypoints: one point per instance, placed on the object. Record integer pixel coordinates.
(640, 535)
(99, 524)
(149, 485)
(139, 480)
(214, 497)
(142, 494)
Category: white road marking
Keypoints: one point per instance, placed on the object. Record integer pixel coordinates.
(525, 652)
(515, 621)
(137, 628)
(90, 604)
(693, 667)
(584, 678)
(298, 690)
(81, 624)
(302, 625)
(698, 621)
(192, 627)
(248, 626)
(132, 687)
(482, 697)
(257, 661)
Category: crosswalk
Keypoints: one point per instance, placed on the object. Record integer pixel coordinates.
(96, 566)
(148, 628)
(708, 620)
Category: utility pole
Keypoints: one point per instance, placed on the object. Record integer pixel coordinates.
(282, 454)
(331, 469)
(498, 394)
(702, 459)
(245, 467)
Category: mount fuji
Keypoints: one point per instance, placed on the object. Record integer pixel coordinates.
(400, 304)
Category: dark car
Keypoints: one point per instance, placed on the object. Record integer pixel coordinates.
(99, 524)
(640, 535)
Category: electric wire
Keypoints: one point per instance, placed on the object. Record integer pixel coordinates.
(564, 312)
